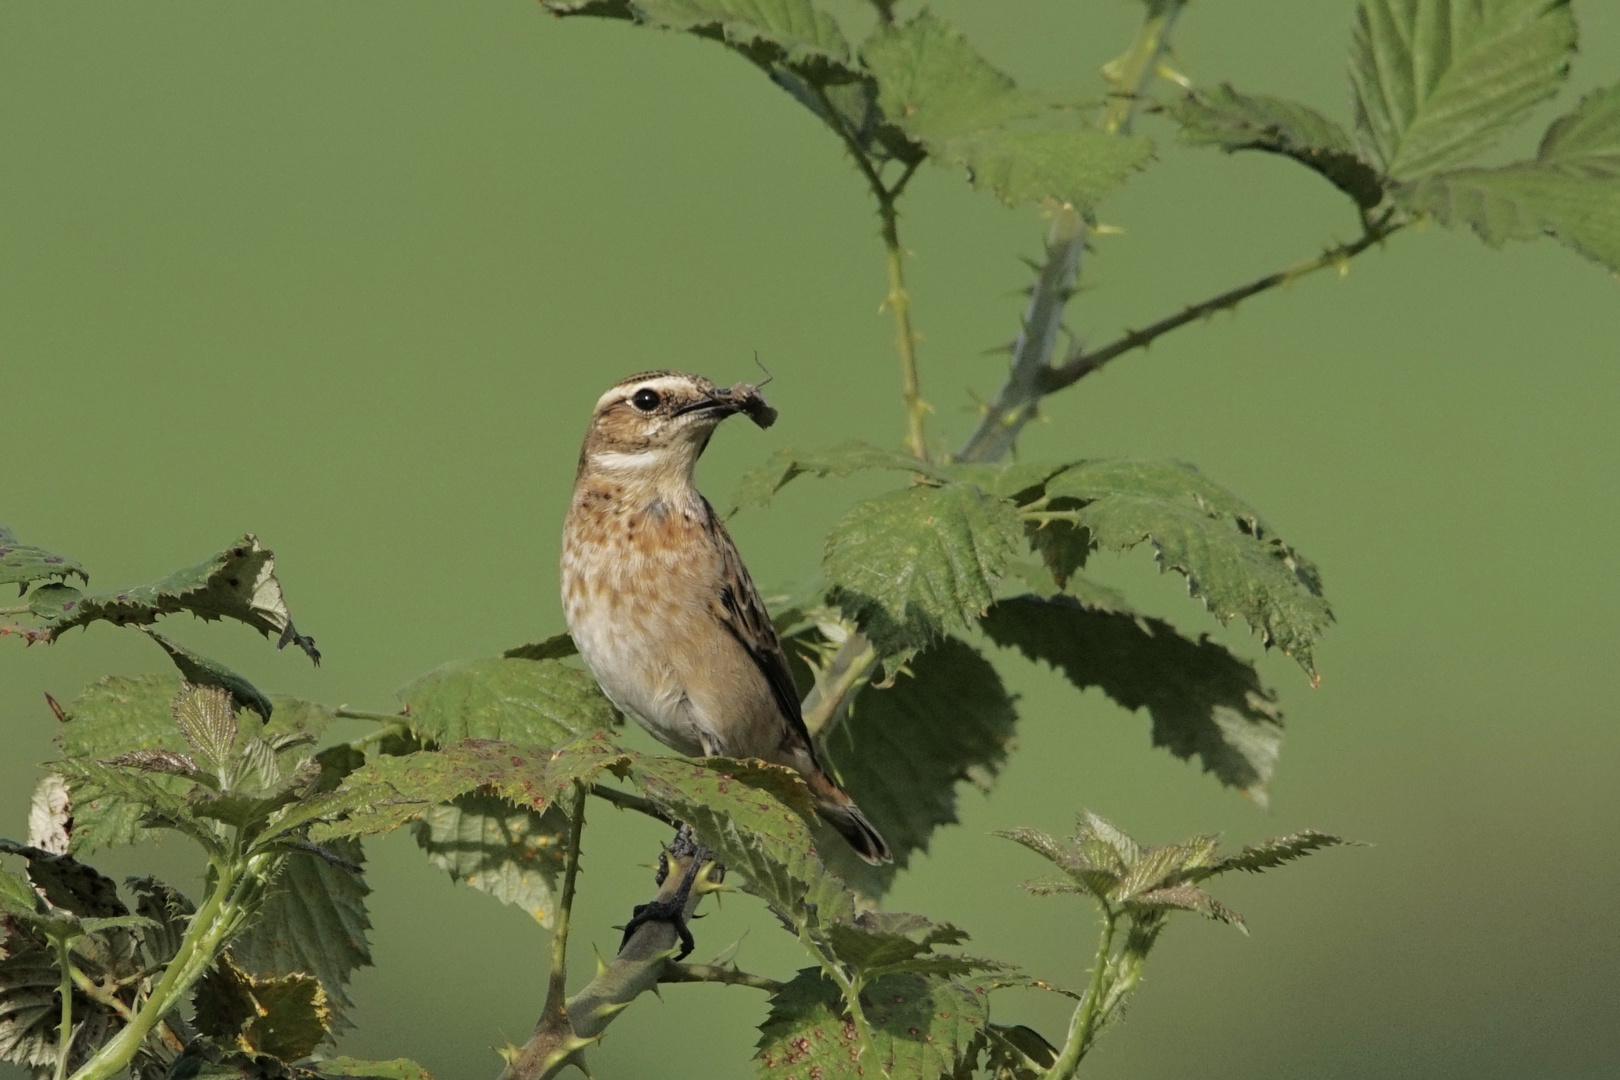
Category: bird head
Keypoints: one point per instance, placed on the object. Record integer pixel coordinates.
(656, 424)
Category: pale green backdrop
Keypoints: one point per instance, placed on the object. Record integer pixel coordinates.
(350, 276)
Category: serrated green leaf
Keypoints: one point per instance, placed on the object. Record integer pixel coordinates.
(759, 484)
(170, 913)
(1256, 858)
(903, 751)
(385, 793)
(913, 564)
(512, 853)
(1187, 898)
(935, 86)
(1181, 481)
(1020, 481)
(1235, 571)
(30, 1010)
(201, 671)
(16, 896)
(529, 702)
(396, 1069)
(1232, 121)
(1052, 157)
(313, 922)
(208, 723)
(877, 943)
(555, 647)
(1571, 191)
(1438, 81)
(239, 583)
(789, 33)
(1203, 700)
(114, 806)
(21, 564)
(751, 831)
(922, 1029)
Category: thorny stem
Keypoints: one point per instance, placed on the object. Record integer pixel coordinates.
(206, 934)
(64, 1039)
(624, 800)
(905, 337)
(1083, 1026)
(899, 300)
(1131, 72)
(1084, 363)
(845, 673)
(712, 973)
(101, 994)
(635, 970)
(1015, 403)
(556, 1007)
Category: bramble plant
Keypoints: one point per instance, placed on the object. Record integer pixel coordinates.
(492, 764)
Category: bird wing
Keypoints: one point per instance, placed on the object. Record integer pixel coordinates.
(740, 610)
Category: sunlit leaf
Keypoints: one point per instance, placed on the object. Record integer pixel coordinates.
(916, 563)
(922, 1029)
(1438, 81)
(22, 564)
(759, 484)
(751, 831)
(1570, 191)
(529, 702)
(239, 583)
(936, 87)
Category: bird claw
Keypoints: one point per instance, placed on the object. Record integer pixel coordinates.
(684, 852)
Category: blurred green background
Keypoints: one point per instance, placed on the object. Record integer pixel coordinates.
(351, 275)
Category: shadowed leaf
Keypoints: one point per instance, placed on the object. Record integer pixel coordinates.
(1203, 700)
(313, 922)
(903, 752)
(1232, 121)
(201, 671)
(877, 943)
(512, 853)
(396, 1069)
(554, 647)
(1437, 82)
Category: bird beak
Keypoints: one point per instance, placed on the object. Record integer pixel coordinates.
(709, 404)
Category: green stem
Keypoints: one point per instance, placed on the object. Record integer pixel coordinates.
(209, 929)
(905, 337)
(91, 989)
(851, 990)
(64, 1039)
(361, 714)
(557, 990)
(21, 609)
(1083, 1027)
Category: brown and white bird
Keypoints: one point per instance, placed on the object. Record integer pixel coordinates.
(658, 600)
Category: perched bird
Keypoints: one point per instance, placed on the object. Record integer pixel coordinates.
(659, 602)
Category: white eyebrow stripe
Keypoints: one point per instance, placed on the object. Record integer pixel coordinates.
(613, 459)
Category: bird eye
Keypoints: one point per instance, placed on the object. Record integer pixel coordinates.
(645, 400)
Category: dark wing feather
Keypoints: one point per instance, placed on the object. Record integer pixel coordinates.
(743, 614)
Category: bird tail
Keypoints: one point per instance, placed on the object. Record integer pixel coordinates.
(840, 811)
